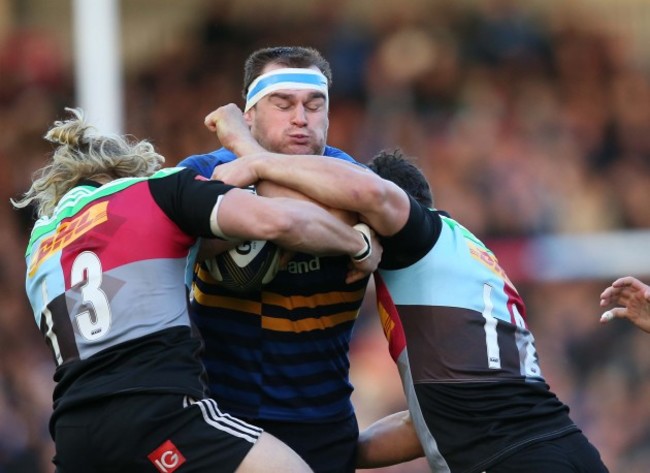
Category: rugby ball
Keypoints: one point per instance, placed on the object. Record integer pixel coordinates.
(247, 267)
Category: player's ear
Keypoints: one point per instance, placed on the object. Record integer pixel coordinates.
(249, 115)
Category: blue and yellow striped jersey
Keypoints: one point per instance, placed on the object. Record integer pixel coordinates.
(282, 353)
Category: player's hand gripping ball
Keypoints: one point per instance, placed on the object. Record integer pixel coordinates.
(247, 267)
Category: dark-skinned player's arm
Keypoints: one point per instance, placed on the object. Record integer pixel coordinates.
(388, 441)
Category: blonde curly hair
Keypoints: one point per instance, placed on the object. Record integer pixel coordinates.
(81, 154)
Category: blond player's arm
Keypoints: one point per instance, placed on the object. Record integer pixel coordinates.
(292, 224)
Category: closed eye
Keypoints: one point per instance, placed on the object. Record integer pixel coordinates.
(315, 105)
(281, 104)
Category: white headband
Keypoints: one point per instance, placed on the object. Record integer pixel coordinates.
(287, 78)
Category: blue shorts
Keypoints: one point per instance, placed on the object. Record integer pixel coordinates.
(156, 433)
(327, 447)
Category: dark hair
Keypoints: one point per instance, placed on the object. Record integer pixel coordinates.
(287, 56)
(395, 167)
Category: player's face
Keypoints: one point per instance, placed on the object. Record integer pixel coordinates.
(290, 121)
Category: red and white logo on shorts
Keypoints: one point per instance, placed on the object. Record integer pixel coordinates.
(166, 458)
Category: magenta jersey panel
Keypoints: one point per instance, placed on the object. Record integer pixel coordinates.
(126, 221)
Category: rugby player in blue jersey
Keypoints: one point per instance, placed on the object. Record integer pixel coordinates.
(278, 358)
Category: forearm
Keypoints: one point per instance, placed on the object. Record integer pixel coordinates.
(312, 229)
(388, 441)
(332, 182)
(243, 147)
(292, 224)
(232, 130)
(338, 184)
(272, 189)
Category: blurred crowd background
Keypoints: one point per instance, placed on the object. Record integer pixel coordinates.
(530, 119)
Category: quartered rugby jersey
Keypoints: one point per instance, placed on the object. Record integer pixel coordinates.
(282, 353)
(457, 330)
(106, 281)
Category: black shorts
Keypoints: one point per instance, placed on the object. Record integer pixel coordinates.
(154, 433)
(327, 447)
(572, 453)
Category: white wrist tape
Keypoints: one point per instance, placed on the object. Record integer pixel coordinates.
(366, 234)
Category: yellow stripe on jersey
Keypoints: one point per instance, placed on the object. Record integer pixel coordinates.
(292, 302)
(225, 302)
(283, 324)
(315, 300)
(306, 325)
